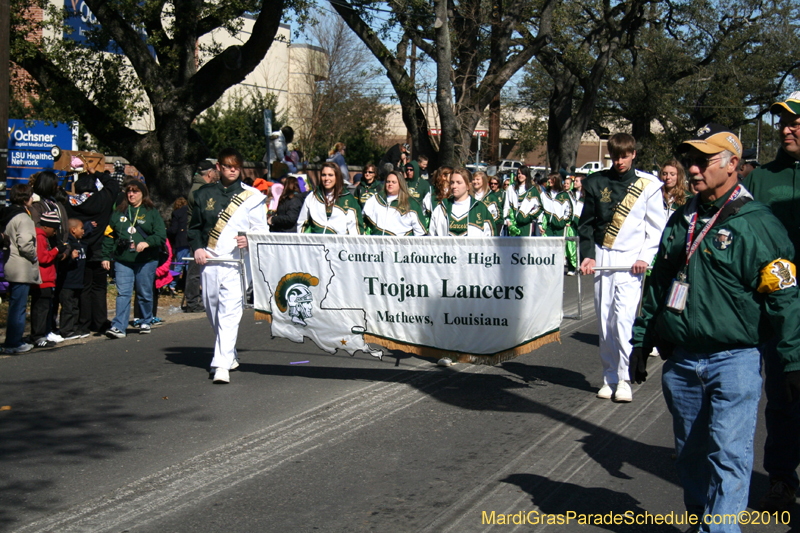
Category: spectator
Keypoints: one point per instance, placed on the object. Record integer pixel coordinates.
(749, 163)
(336, 155)
(22, 267)
(163, 279)
(119, 172)
(192, 302)
(42, 295)
(422, 162)
(179, 236)
(291, 201)
(70, 295)
(133, 239)
(673, 177)
(100, 191)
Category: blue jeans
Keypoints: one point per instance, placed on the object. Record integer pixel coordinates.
(713, 399)
(17, 304)
(782, 448)
(143, 276)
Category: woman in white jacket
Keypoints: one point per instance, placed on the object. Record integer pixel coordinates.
(461, 215)
(393, 211)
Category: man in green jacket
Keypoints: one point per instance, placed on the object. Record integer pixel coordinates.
(777, 184)
(723, 265)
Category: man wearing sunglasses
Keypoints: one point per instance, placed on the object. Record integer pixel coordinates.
(723, 270)
(777, 184)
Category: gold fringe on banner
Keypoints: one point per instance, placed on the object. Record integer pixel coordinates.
(261, 315)
(459, 357)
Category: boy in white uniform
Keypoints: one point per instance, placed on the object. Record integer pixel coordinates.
(221, 210)
(620, 226)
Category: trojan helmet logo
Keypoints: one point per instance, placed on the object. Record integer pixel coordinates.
(293, 295)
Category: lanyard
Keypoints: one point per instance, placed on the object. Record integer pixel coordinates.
(132, 219)
(691, 247)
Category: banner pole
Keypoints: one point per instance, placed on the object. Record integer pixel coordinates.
(578, 316)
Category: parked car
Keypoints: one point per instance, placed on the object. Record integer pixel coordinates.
(588, 168)
(473, 168)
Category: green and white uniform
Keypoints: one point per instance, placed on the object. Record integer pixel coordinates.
(382, 216)
(366, 191)
(512, 200)
(557, 212)
(468, 218)
(495, 206)
(342, 218)
(529, 213)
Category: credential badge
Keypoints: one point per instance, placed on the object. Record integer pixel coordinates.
(723, 239)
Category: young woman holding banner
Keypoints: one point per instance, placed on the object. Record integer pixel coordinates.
(483, 193)
(393, 211)
(330, 209)
(461, 215)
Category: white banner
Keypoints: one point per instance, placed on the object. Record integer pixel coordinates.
(476, 300)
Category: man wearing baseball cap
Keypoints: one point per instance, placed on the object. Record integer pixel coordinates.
(724, 266)
(777, 184)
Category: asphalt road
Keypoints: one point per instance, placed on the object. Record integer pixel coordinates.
(131, 435)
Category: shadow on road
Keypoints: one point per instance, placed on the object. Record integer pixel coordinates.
(552, 497)
(556, 376)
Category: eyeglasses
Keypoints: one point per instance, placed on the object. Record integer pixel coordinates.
(700, 162)
(792, 127)
(369, 172)
(133, 190)
(230, 167)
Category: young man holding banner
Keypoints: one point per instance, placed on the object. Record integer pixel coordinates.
(619, 230)
(220, 212)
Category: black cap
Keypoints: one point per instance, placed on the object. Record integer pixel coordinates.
(749, 156)
(204, 165)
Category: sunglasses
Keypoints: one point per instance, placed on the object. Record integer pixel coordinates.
(700, 161)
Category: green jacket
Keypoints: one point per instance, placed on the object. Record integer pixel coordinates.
(492, 199)
(527, 222)
(148, 221)
(418, 187)
(209, 201)
(777, 184)
(364, 191)
(734, 283)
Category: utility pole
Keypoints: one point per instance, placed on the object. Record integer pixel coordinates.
(5, 91)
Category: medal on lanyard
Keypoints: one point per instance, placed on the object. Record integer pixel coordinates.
(679, 290)
(132, 228)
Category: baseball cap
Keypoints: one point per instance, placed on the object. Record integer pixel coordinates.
(712, 139)
(792, 105)
(204, 165)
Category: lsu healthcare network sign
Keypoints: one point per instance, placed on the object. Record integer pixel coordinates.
(29, 144)
(474, 300)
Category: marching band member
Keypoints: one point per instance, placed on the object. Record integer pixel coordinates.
(515, 193)
(221, 210)
(330, 208)
(418, 188)
(529, 213)
(393, 211)
(621, 224)
(557, 207)
(483, 193)
(369, 185)
(461, 215)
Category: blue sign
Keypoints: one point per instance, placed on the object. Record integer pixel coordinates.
(81, 19)
(29, 144)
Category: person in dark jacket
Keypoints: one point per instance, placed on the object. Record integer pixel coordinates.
(285, 218)
(177, 233)
(71, 291)
(94, 210)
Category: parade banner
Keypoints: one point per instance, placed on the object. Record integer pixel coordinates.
(477, 300)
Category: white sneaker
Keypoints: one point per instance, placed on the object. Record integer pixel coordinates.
(54, 337)
(605, 392)
(654, 352)
(222, 376)
(235, 364)
(623, 392)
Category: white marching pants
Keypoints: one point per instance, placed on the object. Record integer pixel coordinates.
(616, 300)
(222, 297)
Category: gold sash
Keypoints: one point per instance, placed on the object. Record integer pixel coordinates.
(226, 215)
(622, 210)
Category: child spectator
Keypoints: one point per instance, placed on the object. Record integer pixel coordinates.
(22, 268)
(42, 294)
(73, 283)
